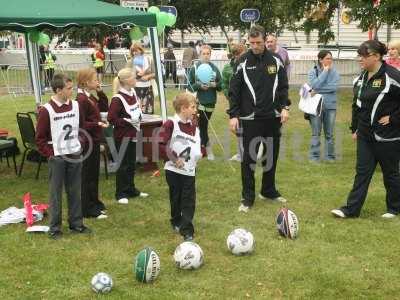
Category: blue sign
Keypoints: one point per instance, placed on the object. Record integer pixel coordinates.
(249, 15)
(169, 9)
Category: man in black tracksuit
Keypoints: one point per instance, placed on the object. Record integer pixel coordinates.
(376, 127)
(258, 96)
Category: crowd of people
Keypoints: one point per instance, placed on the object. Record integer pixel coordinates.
(255, 82)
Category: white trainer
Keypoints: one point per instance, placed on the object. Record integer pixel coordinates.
(338, 213)
(277, 199)
(236, 157)
(243, 208)
(388, 216)
(102, 216)
(123, 201)
(143, 195)
(210, 154)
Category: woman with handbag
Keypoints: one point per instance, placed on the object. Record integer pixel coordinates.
(324, 80)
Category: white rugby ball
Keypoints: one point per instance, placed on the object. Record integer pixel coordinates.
(287, 223)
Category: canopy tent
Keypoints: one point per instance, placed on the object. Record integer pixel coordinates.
(26, 15)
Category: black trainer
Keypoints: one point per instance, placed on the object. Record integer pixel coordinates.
(55, 235)
(81, 229)
(188, 238)
(175, 228)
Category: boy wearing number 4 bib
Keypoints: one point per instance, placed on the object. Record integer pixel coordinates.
(180, 143)
(57, 138)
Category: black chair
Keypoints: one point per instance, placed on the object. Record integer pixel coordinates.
(104, 148)
(8, 147)
(27, 131)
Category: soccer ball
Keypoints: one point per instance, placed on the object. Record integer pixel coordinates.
(102, 283)
(188, 255)
(147, 265)
(287, 223)
(240, 241)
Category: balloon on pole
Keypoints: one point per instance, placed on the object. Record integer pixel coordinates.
(153, 10)
(135, 33)
(44, 39)
(171, 20)
(162, 18)
(34, 36)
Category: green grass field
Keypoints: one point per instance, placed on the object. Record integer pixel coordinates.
(331, 259)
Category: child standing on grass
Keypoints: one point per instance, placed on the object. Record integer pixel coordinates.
(125, 114)
(57, 138)
(180, 144)
(91, 106)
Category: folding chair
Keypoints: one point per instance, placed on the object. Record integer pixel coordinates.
(7, 146)
(27, 131)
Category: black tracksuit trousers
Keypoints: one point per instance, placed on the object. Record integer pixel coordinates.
(369, 154)
(266, 131)
(182, 197)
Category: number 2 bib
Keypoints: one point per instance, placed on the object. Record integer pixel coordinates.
(64, 130)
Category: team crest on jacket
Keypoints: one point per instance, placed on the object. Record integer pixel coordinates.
(377, 83)
(271, 69)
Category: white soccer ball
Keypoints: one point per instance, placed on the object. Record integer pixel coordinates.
(188, 255)
(240, 241)
(147, 265)
(102, 283)
(287, 223)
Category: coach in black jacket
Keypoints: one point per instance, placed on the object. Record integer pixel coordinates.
(376, 127)
(258, 97)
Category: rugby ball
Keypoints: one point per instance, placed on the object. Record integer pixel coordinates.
(147, 265)
(287, 223)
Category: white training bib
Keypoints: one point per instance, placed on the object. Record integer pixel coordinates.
(64, 130)
(186, 147)
(133, 110)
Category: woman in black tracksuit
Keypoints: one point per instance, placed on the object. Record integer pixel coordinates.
(376, 127)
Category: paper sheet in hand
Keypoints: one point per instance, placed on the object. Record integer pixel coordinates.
(310, 104)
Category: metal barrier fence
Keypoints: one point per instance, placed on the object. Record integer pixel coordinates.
(347, 68)
(15, 80)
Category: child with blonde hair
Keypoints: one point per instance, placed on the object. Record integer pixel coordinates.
(180, 145)
(91, 106)
(125, 114)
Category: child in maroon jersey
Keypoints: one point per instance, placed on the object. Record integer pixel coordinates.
(91, 107)
(180, 143)
(125, 114)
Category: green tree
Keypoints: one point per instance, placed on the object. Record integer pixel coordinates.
(374, 16)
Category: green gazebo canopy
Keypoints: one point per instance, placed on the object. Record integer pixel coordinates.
(23, 15)
(26, 15)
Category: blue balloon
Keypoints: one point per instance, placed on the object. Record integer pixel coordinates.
(204, 73)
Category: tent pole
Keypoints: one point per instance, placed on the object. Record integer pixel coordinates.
(33, 68)
(155, 49)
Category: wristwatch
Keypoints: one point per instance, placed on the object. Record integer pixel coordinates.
(286, 108)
